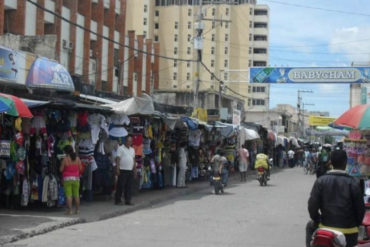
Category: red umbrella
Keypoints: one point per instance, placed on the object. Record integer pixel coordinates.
(17, 107)
(357, 117)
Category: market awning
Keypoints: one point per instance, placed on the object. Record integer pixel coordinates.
(34, 103)
(251, 134)
(96, 99)
(135, 105)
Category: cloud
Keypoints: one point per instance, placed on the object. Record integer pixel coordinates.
(343, 42)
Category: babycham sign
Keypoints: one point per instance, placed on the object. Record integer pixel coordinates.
(310, 75)
(320, 121)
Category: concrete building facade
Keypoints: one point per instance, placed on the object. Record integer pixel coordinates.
(94, 62)
(235, 37)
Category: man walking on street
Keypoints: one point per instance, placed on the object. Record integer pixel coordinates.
(336, 201)
(126, 171)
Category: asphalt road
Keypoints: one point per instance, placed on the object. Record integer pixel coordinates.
(246, 215)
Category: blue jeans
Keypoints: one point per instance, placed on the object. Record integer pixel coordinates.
(225, 175)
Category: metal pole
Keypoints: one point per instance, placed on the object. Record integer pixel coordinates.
(198, 45)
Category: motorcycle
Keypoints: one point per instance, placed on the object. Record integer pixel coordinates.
(262, 176)
(324, 237)
(217, 184)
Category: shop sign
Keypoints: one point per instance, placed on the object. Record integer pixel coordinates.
(49, 74)
(320, 121)
(236, 117)
(310, 75)
(14, 65)
(224, 113)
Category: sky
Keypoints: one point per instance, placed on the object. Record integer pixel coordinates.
(306, 37)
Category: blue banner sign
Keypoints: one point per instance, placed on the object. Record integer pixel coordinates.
(45, 73)
(310, 75)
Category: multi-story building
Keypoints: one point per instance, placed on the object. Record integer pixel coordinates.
(235, 37)
(93, 61)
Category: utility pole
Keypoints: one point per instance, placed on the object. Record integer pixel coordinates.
(303, 127)
(299, 103)
(198, 46)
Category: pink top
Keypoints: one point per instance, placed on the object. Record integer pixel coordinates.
(71, 170)
(244, 154)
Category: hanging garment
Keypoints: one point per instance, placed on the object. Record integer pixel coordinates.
(194, 137)
(25, 193)
(146, 146)
(97, 122)
(38, 125)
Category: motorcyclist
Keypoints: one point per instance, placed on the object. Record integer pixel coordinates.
(218, 162)
(336, 201)
(262, 161)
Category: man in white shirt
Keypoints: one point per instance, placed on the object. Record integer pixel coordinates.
(291, 154)
(126, 171)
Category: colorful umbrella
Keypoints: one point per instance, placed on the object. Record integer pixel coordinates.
(17, 107)
(357, 117)
(4, 107)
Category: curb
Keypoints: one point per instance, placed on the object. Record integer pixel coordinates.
(36, 232)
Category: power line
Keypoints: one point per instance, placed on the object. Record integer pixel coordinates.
(318, 8)
(104, 37)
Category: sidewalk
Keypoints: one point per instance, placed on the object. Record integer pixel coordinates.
(21, 224)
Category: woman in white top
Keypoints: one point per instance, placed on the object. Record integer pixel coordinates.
(182, 167)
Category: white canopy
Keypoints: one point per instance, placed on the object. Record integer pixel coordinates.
(135, 105)
(250, 134)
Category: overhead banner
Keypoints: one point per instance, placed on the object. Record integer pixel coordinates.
(320, 121)
(310, 75)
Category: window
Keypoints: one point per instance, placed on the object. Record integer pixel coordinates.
(250, 37)
(175, 63)
(189, 25)
(156, 25)
(188, 51)
(249, 63)
(157, 13)
(260, 37)
(259, 50)
(213, 12)
(225, 76)
(250, 50)
(176, 24)
(189, 37)
(258, 102)
(226, 37)
(213, 24)
(226, 25)
(189, 12)
(249, 102)
(226, 63)
(260, 12)
(250, 24)
(145, 8)
(226, 50)
(249, 89)
(188, 64)
(174, 75)
(260, 25)
(213, 37)
(156, 38)
(259, 63)
(212, 50)
(251, 11)
(227, 11)
(212, 63)
(175, 50)
(188, 76)
(212, 77)
(175, 38)
(145, 21)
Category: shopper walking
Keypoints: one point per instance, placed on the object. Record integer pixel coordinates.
(243, 163)
(126, 171)
(70, 169)
(182, 167)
